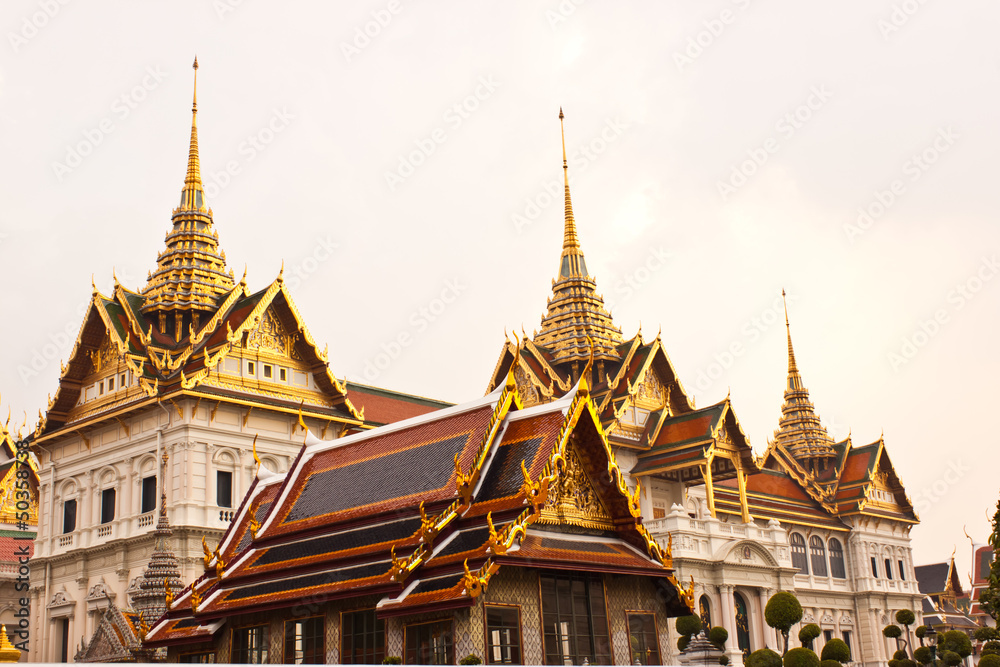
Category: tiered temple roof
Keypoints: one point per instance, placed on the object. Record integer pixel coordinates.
(179, 334)
(423, 512)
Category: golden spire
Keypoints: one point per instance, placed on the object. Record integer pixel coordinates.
(800, 429)
(572, 263)
(191, 273)
(193, 195)
(792, 368)
(576, 311)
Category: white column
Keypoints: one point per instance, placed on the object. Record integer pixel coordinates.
(766, 631)
(209, 476)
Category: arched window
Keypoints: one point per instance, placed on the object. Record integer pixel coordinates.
(818, 553)
(705, 611)
(837, 559)
(799, 559)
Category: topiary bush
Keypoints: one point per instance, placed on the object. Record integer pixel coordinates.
(992, 647)
(900, 655)
(829, 663)
(764, 657)
(920, 632)
(892, 631)
(985, 634)
(723, 660)
(905, 617)
(682, 643)
(808, 633)
(392, 660)
(951, 658)
(923, 655)
(836, 649)
(906, 662)
(688, 626)
(471, 659)
(718, 636)
(954, 641)
(782, 612)
(800, 657)
(990, 660)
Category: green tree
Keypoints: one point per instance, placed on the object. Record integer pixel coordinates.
(906, 618)
(922, 655)
(989, 598)
(836, 649)
(893, 632)
(954, 641)
(781, 613)
(718, 636)
(920, 632)
(800, 657)
(986, 633)
(808, 633)
(764, 657)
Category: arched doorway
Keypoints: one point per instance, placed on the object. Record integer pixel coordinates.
(705, 611)
(742, 624)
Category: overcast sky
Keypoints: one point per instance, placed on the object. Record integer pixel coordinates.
(398, 156)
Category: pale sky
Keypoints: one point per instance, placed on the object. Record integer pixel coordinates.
(398, 157)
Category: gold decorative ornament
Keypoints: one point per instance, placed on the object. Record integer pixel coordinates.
(476, 583)
(207, 558)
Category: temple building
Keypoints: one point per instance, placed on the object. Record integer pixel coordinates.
(193, 365)
(826, 520)
(488, 529)
(946, 605)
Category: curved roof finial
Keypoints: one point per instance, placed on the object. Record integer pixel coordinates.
(571, 243)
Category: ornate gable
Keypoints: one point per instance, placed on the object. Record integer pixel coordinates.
(573, 500)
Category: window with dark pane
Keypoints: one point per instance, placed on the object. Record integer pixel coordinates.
(888, 569)
(429, 644)
(362, 638)
(148, 494)
(202, 658)
(224, 488)
(69, 516)
(574, 620)
(107, 505)
(799, 559)
(304, 641)
(874, 567)
(837, 559)
(902, 572)
(643, 644)
(503, 635)
(817, 551)
(249, 646)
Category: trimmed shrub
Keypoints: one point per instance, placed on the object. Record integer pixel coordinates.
(905, 617)
(985, 634)
(900, 655)
(892, 631)
(808, 633)
(951, 658)
(764, 657)
(992, 647)
(392, 660)
(718, 636)
(990, 660)
(682, 643)
(723, 660)
(800, 657)
(906, 662)
(829, 663)
(837, 649)
(782, 612)
(688, 626)
(923, 655)
(954, 641)
(471, 659)
(920, 632)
